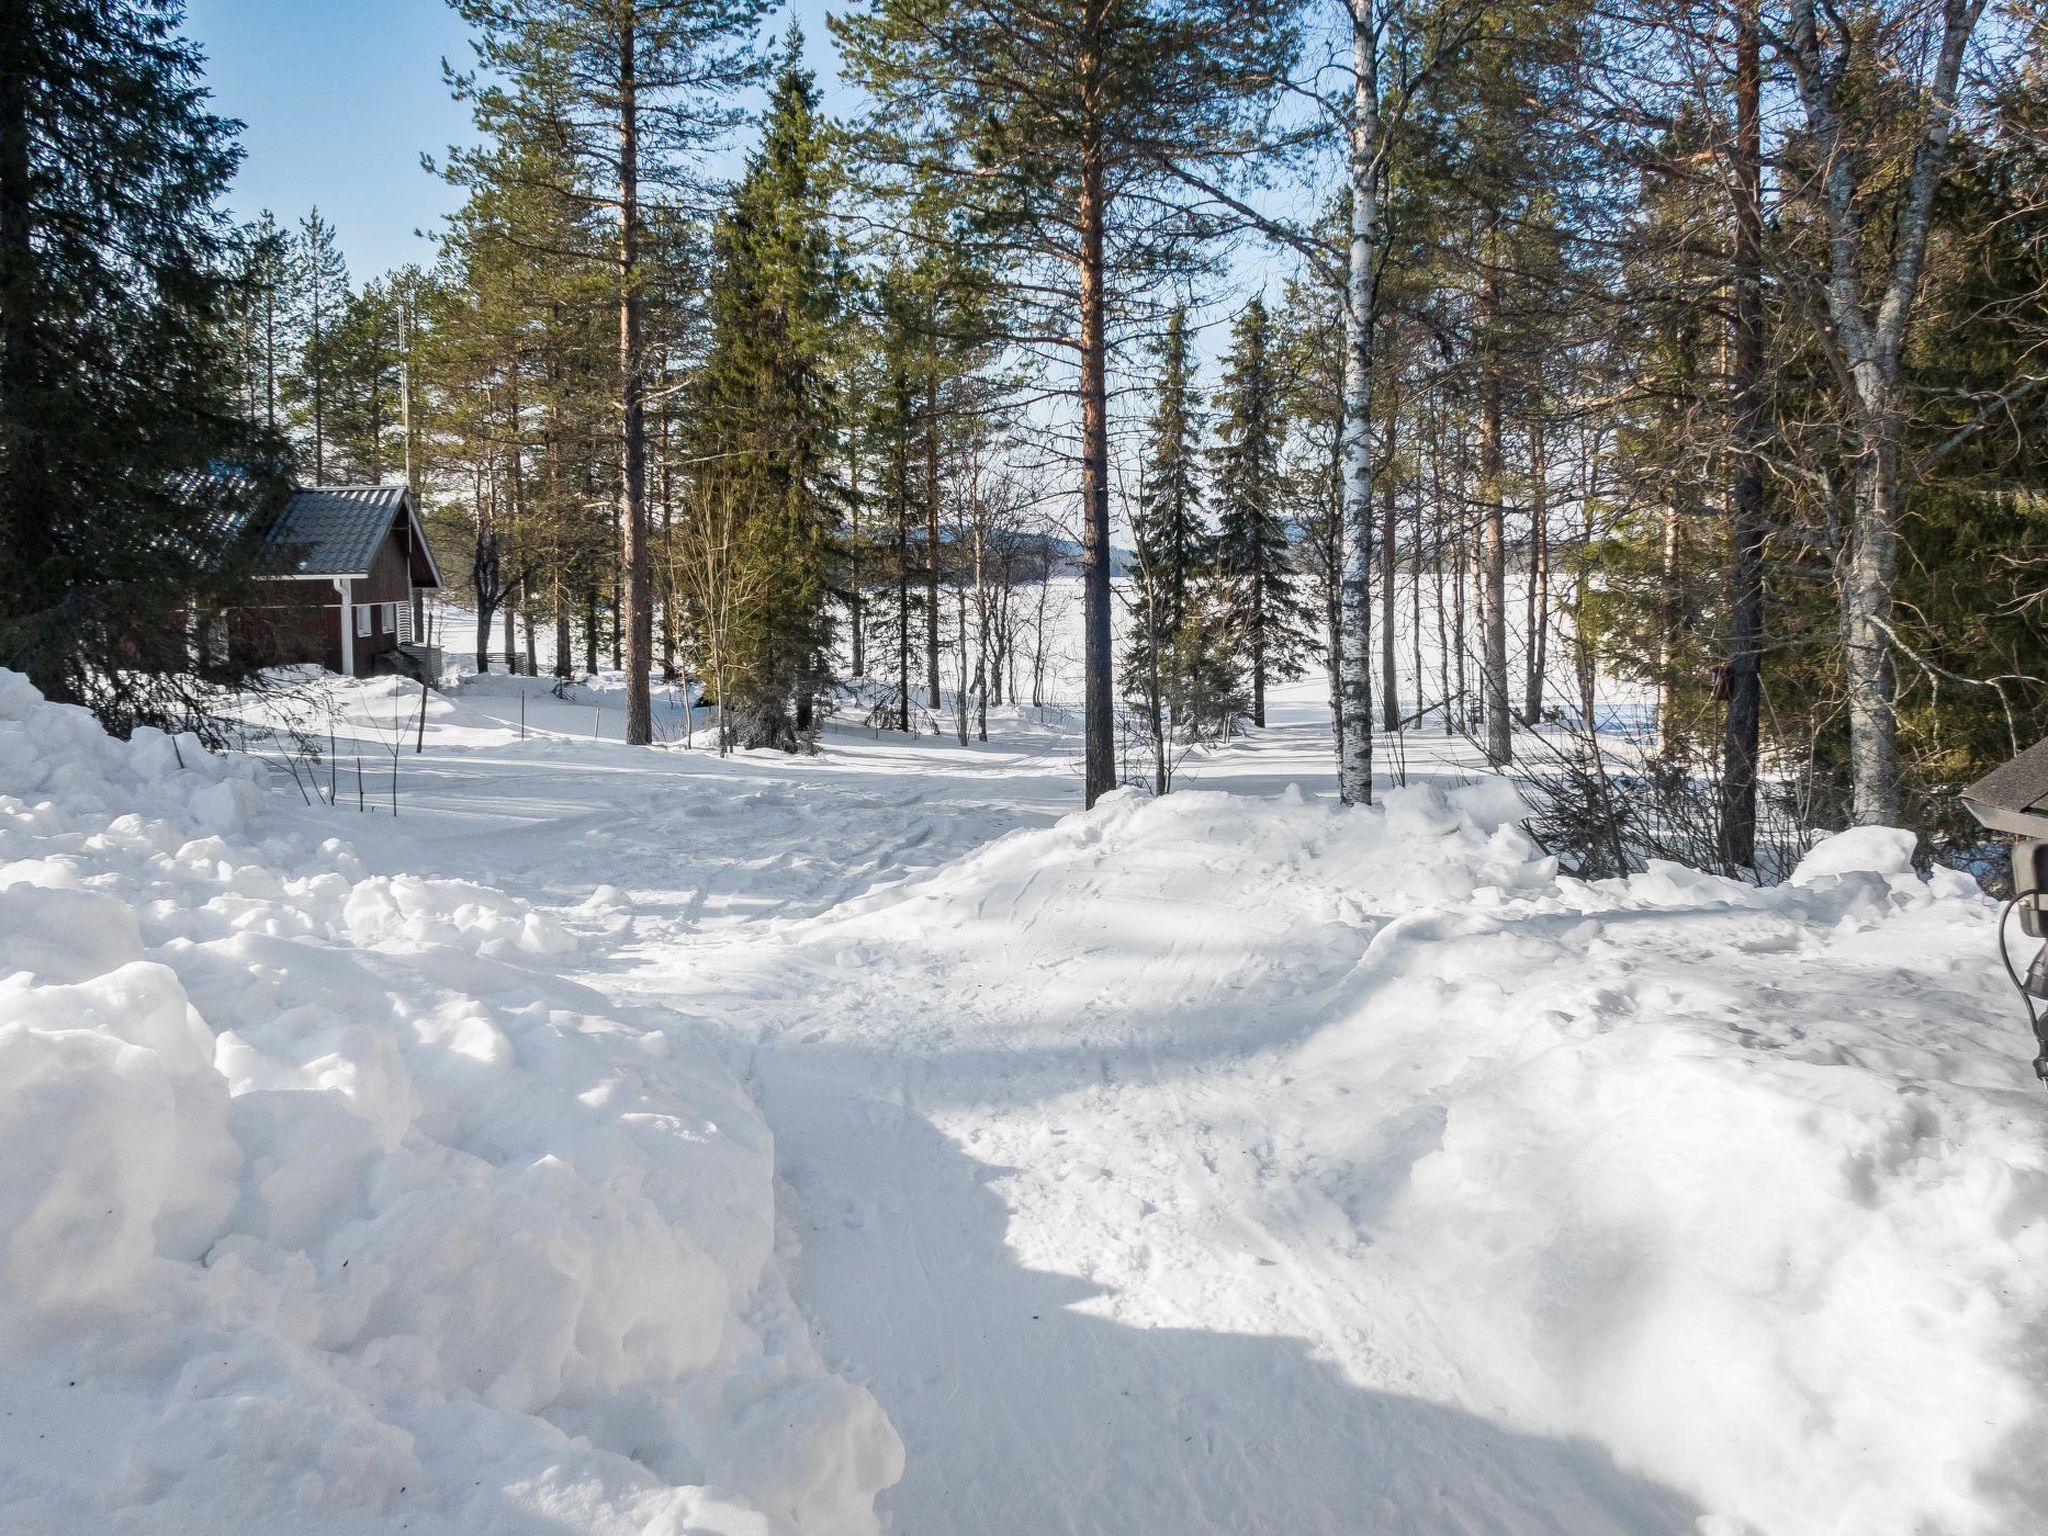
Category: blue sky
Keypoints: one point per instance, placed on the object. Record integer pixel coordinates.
(341, 97)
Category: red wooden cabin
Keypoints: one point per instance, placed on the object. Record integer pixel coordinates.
(342, 579)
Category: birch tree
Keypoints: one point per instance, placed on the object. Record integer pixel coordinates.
(1398, 50)
(1876, 239)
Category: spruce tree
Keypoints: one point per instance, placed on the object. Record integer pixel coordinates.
(1169, 524)
(769, 410)
(1254, 553)
(124, 462)
(1173, 546)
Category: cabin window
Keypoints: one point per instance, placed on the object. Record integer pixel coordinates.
(362, 618)
(391, 618)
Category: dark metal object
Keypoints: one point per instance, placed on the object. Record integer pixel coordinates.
(2013, 799)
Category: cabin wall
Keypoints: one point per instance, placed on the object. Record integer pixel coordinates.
(299, 622)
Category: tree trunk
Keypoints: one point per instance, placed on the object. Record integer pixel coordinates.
(483, 573)
(666, 585)
(1500, 750)
(1538, 607)
(931, 541)
(565, 643)
(1866, 610)
(25, 523)
(856, 601)
(1361, 312)
(1670, 616)
(1741, 726)
(1259, 652)
(615, 608)
(1868, 321)
(960, 700)
(1099, 725)
(636, 616)
(902, 490)
(1390, 677)
(981, 654)
(1458, 710)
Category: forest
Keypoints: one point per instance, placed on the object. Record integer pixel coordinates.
(1688, 352)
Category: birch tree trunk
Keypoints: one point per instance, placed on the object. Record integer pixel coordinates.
(1867, 322)
(1361, 307)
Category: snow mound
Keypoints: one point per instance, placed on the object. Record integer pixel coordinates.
(325, 1208)
(1748, 1187)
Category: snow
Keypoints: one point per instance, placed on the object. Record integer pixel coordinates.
(1359, 1173)
(329, 1206)
(694, 1128)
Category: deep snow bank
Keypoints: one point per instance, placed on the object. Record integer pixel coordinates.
(1748, 1187)
(324, 1208)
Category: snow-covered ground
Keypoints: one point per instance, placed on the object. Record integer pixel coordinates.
(1229, 1163)
(330, 1203)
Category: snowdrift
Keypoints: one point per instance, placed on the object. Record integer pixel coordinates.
(1746, 1187)
(325, 1208)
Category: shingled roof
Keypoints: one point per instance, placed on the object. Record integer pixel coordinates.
(332, 530)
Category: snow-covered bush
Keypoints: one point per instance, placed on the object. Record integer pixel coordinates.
(324, 1207)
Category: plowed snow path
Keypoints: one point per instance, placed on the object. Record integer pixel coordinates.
(1045, 1178)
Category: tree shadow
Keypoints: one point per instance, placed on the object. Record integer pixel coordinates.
(1023, 1416)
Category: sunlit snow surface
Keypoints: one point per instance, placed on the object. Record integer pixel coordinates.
(1231, 1163)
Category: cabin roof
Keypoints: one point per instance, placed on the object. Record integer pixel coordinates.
(336, 530)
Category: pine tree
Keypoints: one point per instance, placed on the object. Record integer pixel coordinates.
(120, 431)
(1071, 135)
(1254, 553)
(769, 411)
(637, 89)
(317, 279)
(522, 356)
(365, 361)
(262, 305)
